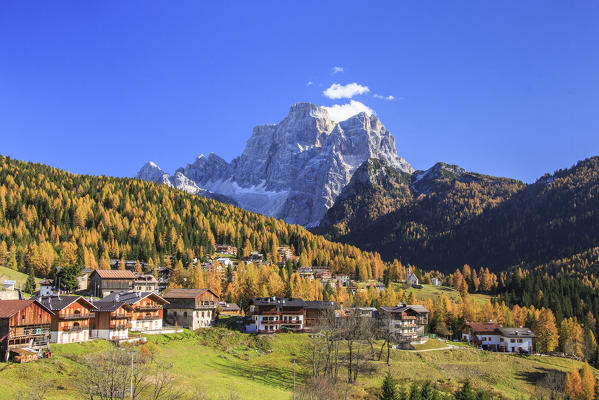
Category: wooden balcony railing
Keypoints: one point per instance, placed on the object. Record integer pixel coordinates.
(73, 317)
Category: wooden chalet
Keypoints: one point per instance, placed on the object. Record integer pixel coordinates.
(111, 320)
(190, 308)
(146, 309)
(272, 315)
(24, 330)
(405, 322)
(103, 282)
(71, 318)
(317, 313)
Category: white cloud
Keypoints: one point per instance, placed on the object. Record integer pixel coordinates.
(389, 98)
(338, 91)
(341, 112)
(334, 70)
(310, 83)
(381, 97)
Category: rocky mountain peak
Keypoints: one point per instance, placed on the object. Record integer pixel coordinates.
(295, 169)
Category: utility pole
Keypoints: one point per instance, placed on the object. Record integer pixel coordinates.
(131, 383)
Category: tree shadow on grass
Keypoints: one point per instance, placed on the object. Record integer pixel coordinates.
(547, 378)
(271, 376)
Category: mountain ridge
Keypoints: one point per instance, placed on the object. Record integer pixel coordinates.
(292, 170)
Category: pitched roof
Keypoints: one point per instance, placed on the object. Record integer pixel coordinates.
(483, 327)
(320, 305)
(8, 308)
(282, 302)
(114, 274)
(57, 303)
(403, 307)
(517, 332)
(130, 297)
(110, 305)
(185, 293)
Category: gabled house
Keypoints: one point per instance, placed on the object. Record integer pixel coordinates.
(271, 315)
(405, 322)
(229, 308)
(24, 330)
(411, 279)
(103, 282)
(317, 313)
(146, 309)
(492, 336)
(190, 308)
(111, 320)
(70, 319)
(145, 283)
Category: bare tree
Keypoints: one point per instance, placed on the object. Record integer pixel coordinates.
(117, 375)
(37, 390)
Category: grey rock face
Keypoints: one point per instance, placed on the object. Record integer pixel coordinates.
(292, 170)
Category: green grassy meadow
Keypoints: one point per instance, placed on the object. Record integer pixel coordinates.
(220, 363)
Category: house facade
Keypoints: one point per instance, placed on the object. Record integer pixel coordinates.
(405, 322)
(103, 282)
(317, 313)
(146, 309)
(190, 308)
(71, 318)
(145, 283)
(24, 330)
(494, 337)
(111, 320)
(272, 315)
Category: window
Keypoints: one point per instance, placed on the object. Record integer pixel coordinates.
(184, 314)
(501, 340)
(512, 340)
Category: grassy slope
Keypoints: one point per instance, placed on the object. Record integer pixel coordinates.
(431, 292)
(7, 273)
(244, 365)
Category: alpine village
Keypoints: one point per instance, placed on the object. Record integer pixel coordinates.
(319, 256)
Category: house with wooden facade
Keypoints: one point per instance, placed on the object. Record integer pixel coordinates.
(103, 282)
(272, 315)
(111, 320)
(145, 283)
(24, 330)
(317, 313)
(406, 322)
(71, 318)
(146, 309)
(190, 308)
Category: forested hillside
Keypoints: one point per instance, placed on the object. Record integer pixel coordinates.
(50, 217)
(454, 217)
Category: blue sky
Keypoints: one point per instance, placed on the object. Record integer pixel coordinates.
(507, 88)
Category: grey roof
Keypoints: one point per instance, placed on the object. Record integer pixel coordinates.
(403, 307)
(282, 302)
(517, 332)
(56, 303)
(320, 305)
(128, 297)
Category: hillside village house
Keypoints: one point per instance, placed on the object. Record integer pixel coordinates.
(226, 249)
(70, 319)
(145, 283)
(229, 308)
(316, 313)
(24, 330)
(103, 282)
(190, 308)
(411, 279)
(271, 315)
(111, 320)
(146, 309)
(46, 287)
(492, 336)
(405, 322)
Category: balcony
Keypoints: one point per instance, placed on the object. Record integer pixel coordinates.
(148, 308)
(74, 317)
(121, 315)
(149, 318)
(75, 328)
(120, 326)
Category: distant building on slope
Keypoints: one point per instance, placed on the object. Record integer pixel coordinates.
(411, 279)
